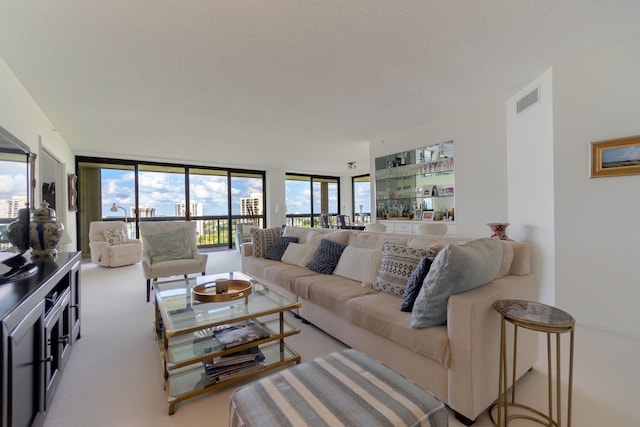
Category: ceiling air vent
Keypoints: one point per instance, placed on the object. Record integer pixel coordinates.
(528, 100)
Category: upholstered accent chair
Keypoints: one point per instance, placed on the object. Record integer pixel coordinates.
(243, 233)
(435, 229)
(170, 249)
(376, 227)
(111, 246)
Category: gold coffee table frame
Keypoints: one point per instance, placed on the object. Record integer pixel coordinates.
(183, 326)
(540, 318)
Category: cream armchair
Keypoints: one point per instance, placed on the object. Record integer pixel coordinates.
(110, 245)
(170, 249)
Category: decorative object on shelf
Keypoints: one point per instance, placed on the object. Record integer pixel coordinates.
(18, 230)
(427, 216)
(73, 192)
(615, 157)
(499, 230)
(45, 232)
(417, 214)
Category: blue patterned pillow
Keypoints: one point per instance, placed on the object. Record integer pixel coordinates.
(277, 250)
(415, 284)
(326, 258)
(263, 239)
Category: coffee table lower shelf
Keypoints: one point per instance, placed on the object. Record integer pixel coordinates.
(190, 381)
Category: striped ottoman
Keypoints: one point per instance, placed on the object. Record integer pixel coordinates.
(343, 388)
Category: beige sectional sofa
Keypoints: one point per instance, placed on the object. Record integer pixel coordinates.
(457, 361)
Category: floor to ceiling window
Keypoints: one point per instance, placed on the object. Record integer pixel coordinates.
(309, 196)
(136, 191)
(362, 199)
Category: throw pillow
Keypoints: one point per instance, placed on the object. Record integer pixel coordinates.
(398, 262)
(326, 258)
(298, 254)
(168, 245)
(115, 236)
(277, 250)
(457, 268)
(263, 239)
(359, 264)
(414, 284)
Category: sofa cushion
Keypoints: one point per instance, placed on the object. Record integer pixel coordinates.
(326, 258)
(115, 236)
(379, 314)
(329, 291)
(279, 246)
(298, 254)
(341, 237)
(414, 284)
(254, 266)
(374, 240)
(285, 275)
(457, 268)
(168, 245)
(304, 234)
(359, 264)
(398, 262)
(263, 239)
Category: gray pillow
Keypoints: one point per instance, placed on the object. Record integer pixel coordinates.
(263, 239)
(326, 258)
(277, 250)
(457, 268)
(168, 245)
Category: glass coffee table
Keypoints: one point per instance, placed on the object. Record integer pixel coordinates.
(186, 327)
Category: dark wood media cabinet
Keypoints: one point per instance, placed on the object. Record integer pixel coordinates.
(40, 319)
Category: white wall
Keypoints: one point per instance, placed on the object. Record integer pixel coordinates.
(597, 221)
(479, 139)
(21, 116)
(531, 181)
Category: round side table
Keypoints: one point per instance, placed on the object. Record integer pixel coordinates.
(540, 318)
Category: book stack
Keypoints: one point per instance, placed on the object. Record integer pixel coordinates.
(242, 362)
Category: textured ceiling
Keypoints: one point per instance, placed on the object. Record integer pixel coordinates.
(299, 85)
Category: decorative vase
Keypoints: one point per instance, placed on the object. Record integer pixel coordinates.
(18, 230)
(45, 232)
(499, 230)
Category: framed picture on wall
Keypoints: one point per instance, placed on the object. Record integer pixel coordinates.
(615, 157)
(427, 216)
(73, 192)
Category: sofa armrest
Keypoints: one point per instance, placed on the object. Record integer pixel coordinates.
(246, 249)
(473, 327)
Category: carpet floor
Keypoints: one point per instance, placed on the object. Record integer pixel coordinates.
(114, 377)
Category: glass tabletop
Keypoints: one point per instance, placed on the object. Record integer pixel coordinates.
(181, 313)
(534, 314)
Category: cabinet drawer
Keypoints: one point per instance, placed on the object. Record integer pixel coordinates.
(404, 228)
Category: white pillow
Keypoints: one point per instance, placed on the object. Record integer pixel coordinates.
(359, 264)
(299, 254)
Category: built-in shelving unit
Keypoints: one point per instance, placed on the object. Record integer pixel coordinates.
(416, 183)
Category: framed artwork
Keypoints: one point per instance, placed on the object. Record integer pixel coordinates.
(417, 214)
(427, 216)
(615, 157)
(73, 192)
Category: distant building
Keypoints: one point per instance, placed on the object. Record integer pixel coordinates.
(252, 205)
(145, 212)
(9, 208)
(180, 209)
